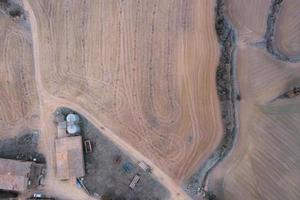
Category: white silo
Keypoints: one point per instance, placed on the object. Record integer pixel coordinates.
(73, 118)
(73, 129)
(72, 124)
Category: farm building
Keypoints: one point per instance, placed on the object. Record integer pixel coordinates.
(67, 125)
(20, 175)
(62, 129)
(69, 157)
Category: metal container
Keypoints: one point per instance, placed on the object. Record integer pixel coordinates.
(73, 118)
(73, 129)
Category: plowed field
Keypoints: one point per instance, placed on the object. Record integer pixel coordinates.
(144, 69)
(18, 96)
(265, 162)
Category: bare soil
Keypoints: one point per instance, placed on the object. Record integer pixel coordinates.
(286, 36)
(264, 162)
(19, 108)
(146, 75)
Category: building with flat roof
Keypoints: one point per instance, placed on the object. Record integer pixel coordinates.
(19, 176)
(69, 157)
(62, 129)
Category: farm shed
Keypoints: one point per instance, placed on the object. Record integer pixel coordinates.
(69, 157)
(19, 175)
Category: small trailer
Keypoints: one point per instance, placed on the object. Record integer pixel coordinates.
(134, 181)
(144, 166)
(88, 146)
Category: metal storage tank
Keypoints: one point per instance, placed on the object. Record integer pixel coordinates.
(73, 118)
(73, 129)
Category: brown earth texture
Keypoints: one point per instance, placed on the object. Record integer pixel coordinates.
(144, 73)
(265, 162)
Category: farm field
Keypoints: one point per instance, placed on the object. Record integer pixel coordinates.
(206, 94)
(19, 110)
(148, 76)
(287, 31)
(138, 70)
(264, 164)
(247, 18)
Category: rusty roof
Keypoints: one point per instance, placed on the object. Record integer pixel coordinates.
(14, 174)
(69, 157)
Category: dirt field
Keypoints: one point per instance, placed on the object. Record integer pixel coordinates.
(264, 163)
(247, 18)
(145, 78)
(123, 64)
(19, 101)
(143, 72)
(287, 31)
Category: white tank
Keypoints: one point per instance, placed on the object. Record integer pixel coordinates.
(73, 129)
(73, 118)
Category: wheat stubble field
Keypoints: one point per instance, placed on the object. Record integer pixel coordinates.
(139, 67)
(265, 162)
(18, 96)
(144, 72)
(287, 31)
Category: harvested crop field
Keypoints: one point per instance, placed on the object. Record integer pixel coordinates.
(247, 18)
(19, 108)
(264, 164)
(205, 92)
(287, 34)
(138, 67)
